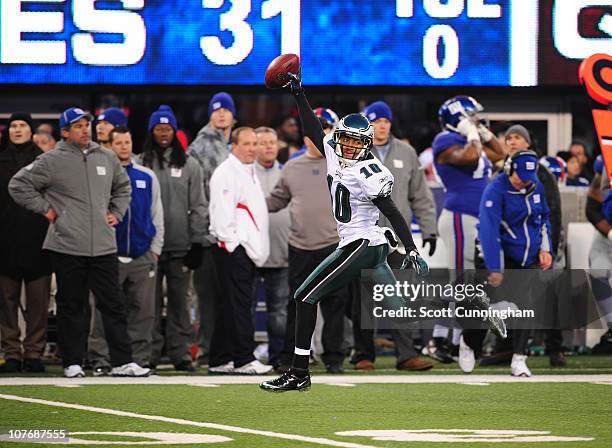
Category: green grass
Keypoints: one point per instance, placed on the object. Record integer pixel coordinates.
(565, 409)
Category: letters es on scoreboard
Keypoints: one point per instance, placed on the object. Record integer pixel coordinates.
(345, 42)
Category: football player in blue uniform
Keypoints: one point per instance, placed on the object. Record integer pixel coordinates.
(463, 155)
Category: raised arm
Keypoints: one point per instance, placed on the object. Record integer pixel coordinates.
(491, 146)
(311, 127)
(468, 154)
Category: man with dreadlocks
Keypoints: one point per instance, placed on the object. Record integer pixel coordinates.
(180, 180)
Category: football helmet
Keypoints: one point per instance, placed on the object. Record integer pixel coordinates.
(327, 114)
(598, 164)
(555, 165)
(359, 128)
(456, 108)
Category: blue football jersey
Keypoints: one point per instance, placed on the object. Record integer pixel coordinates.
(463, 184)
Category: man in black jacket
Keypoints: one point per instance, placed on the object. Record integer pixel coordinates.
(22, 233)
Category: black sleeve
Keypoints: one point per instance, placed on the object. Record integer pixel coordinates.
(311, 126)
(387, 207)
(553, 199)
(596, 217)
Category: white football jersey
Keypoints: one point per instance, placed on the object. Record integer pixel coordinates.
(352, 190)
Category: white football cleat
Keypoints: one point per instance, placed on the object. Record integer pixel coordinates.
(222, 369)
(74, 371)
(130, 369)
(253, 368)
(518, 367)
(467, 360)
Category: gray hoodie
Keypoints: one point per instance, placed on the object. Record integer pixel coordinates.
(210, 149)
(410, 191)
(81, 186)
(182, 200)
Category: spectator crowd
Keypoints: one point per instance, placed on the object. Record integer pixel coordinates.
(130, 235)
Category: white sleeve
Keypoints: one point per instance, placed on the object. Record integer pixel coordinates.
(222, 210)
(376, 180)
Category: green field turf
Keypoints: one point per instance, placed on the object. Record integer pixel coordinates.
(562, 409)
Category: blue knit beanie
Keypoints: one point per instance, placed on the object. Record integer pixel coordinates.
(221, 100)
(378, 109)
(163, 115)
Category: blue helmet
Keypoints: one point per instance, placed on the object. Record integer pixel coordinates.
(456, 108)
(555, 165)
(598, 164)
(327, 114)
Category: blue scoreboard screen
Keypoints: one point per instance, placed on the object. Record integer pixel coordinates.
(340, 42)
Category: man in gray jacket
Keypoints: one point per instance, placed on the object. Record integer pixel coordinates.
(210, 148)
(412, 195)
(275, 273)
(83, 192)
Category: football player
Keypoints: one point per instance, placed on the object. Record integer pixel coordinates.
(463, 155)
(360, 187)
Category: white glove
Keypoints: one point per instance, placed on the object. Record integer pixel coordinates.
(485, 134)
(468, 129)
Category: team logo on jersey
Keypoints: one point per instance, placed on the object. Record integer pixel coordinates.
(385, 190)
(339, 173)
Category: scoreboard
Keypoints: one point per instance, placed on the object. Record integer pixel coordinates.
(340, 42)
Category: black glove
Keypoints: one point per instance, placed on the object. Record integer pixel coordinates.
(295, 83)
(431, 239)
(416, 262)
(193, 259)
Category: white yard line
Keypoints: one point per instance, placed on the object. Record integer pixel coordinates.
(180, 421)
(316, 379)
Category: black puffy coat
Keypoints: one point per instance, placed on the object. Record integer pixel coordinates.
(22, 232)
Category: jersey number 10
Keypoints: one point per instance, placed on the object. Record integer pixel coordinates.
(340, 201)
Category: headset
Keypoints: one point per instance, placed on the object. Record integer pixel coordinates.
(508, 168)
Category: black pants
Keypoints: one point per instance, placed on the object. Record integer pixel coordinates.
(205, 284)
(76, 276)
(233, 337)
(301, 265)
(520, 337)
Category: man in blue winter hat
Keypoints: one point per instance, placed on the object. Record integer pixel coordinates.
(413, 198)
(180, 180)
(210, 148)
(108, 120)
